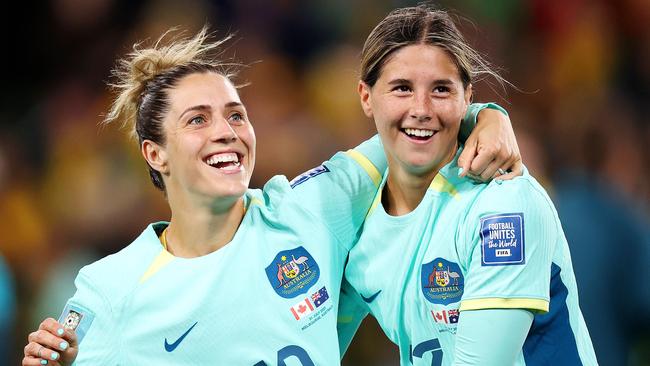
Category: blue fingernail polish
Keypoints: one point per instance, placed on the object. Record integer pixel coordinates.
(460, 171)
(59, 331)
(43, 362)
(54, 356)
(63, 345)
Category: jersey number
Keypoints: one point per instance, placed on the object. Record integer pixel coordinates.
(291, 351)
(431, 345)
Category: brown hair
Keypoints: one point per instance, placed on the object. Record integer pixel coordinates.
(421, 24)
(144, 77)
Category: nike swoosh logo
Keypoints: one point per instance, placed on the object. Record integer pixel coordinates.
(171, 347)
(371, 298)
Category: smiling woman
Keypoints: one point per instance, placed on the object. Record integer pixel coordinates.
(465, 267)
(237, 276)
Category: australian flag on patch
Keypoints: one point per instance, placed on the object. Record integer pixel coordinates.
(318, 298)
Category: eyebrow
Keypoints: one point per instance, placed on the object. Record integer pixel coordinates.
(399, 81)
(407, 81)
(205, 107)
(201, 107)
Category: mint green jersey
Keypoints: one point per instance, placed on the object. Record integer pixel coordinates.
(269, 297)
(467, 247)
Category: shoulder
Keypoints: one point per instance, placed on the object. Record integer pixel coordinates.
(523, 194)
(120, 272)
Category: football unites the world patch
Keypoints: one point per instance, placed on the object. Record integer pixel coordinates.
(502, 239)
(442, 281)
(77, 318)
(308, 174)
(292, 272)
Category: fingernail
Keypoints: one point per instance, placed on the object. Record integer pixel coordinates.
(54, 356)
(59, 331)
(63, 345)
(460, 171)
(43, 362)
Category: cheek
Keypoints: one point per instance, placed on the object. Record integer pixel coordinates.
(248, 136)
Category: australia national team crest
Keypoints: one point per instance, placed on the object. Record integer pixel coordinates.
(442, 281)
(292, 272)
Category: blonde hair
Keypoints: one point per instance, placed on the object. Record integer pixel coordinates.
(143, 78)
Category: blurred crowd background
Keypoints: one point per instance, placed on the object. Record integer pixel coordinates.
(72, 191)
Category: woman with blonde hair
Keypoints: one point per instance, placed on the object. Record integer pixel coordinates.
(238, 275)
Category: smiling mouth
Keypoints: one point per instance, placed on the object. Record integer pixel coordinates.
(418, 134)
(225, 161)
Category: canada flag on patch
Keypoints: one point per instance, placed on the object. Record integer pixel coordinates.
(445, 316)
(302, 309)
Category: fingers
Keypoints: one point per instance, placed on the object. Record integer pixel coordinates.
(52, 326)
(50, 334)
(467, 156)
(32, 361)
(40, 353)
(491, 171)
(515, 171)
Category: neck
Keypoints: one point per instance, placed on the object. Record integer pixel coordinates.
(197, 231)
(403, 192)
(405, 189)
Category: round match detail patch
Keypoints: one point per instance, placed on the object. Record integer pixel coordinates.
(442, 281)
(292, 272)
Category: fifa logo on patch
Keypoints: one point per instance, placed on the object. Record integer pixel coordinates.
(442, 281)
(292, 272)
(72, 320)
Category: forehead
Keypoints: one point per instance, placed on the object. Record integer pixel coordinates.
(420, 61)
(203, 89)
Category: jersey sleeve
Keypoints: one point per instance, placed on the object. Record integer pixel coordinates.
(340, 191)
(469, 122)
(352, 311)
(478, 329)
(89, 313)
(506, 246)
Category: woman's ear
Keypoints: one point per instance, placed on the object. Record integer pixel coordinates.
(366, 98)
(468, 94)
(155, 155)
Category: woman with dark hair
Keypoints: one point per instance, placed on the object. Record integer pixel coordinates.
(455, 272)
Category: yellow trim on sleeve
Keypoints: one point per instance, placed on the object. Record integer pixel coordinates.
(500, 303)
(367, 165)
(441, 184)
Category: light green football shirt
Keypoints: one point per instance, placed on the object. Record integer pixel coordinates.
(269, 297)
(466, 247)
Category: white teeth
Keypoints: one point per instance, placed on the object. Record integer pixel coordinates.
(418, 132)
(223, 158)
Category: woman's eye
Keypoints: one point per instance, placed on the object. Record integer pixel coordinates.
(236, 117)
(197, 120)
(402, 89)
(441, 89)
